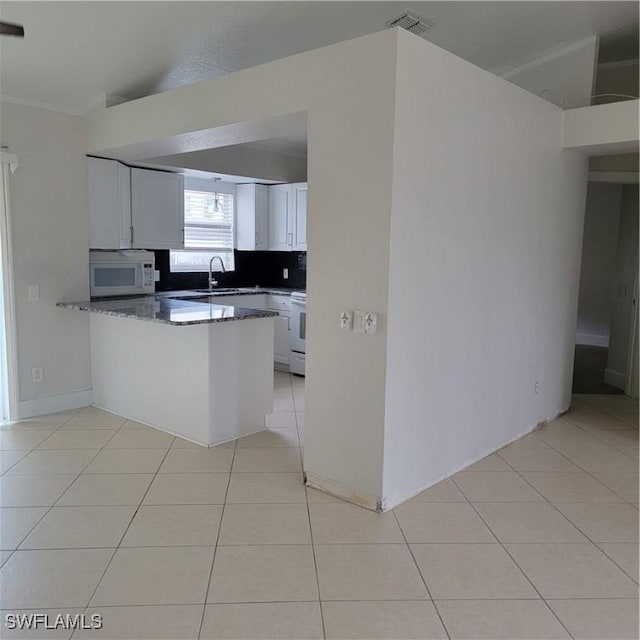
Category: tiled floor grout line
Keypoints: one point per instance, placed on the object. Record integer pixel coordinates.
(589, 473)
(12, 551)
(585, 471)
(315, 567)
(426, 586)
(504, 548)
(215, 547)
(600, 439)
(28, 451)
(60, 496)
(573, 524)
(124, 533)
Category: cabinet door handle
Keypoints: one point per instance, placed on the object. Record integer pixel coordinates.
(290, 238)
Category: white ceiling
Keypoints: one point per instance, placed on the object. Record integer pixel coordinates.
(74, 52)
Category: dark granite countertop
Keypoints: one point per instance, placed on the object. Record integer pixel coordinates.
(165, 309)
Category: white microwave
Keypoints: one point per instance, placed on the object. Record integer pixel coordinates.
(121, 273)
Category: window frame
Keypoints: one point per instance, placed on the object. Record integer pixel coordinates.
(208, 185)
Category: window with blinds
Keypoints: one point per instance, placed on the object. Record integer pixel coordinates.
(208, 231)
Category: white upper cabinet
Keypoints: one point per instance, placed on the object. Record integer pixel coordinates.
(157, 209)
(280, 218)
(109, 204)
(252, 217)
(299, 216)
(134, 208)
(288, 217)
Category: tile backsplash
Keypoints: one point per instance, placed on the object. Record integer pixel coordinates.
(264, 268)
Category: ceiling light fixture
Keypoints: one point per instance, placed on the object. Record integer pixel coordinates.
(216, 202)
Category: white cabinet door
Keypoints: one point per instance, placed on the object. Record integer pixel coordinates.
(252, 217)
(280, 218)
(281, 349)
(157, 209)
(109, 204)
(300, 216)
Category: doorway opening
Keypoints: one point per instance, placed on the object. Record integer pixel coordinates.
(606, 334)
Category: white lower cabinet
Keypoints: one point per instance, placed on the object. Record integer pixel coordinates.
(281, 348)
(281, 304)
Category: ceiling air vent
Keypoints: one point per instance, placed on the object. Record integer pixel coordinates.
(411, 22)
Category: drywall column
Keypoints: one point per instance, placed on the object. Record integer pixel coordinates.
(348, 93)
(486, 231)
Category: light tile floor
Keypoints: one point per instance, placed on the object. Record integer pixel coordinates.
(169, 540)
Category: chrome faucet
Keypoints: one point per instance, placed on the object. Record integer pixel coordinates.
(212, 282)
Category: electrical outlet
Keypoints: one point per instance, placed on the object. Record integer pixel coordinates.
(37, 375)
(33, 293)
(285, 274)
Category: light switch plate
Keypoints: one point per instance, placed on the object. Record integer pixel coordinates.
(358, 321)
(33, 292)
(370, 322)
(346, 320)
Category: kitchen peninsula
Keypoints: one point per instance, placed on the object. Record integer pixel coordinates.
(198, 370)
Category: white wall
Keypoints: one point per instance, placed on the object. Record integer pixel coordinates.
(599, 247)
(626, 267)
(50, 249)
(486, 230)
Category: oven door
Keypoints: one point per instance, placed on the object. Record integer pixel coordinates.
(116, 278)
(298, 331)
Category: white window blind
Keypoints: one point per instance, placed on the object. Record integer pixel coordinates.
(208, 231)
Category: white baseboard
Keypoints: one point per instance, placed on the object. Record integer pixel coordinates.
(592, 340)
(52, 404)
(615, 379)
(337, 490)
